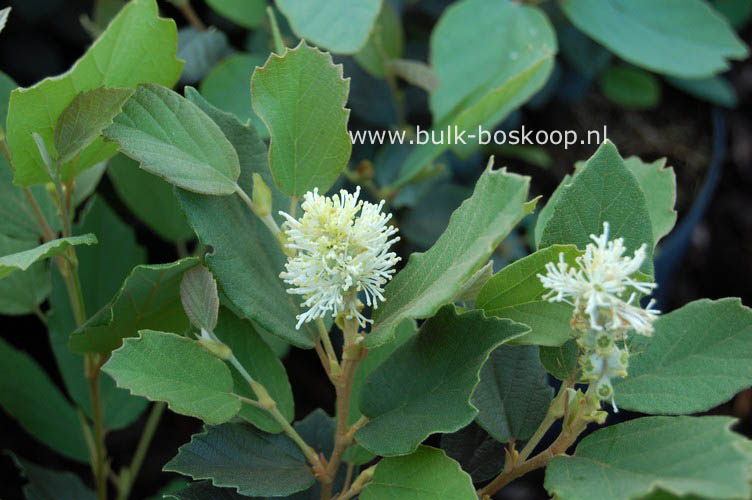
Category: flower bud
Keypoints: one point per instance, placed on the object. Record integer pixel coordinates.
(261, 197)
(220, 350)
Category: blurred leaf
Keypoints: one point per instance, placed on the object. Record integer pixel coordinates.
(475, 85)
(167, 367)
(325, 25)
(246, 13)
(428, 219)
(370, 99)
(738, 12)
(516, 293)
(532, 154)
(22, 292)
(4, 17)
(6, 86)
(425, 386)
(716, 89)
(227, 87)
(201, 51)
(262, 364)
(604, 190)
(83, 120)
(699, 357)
(426, 474)
(386, 42)
(204, 490)
(658, 182)
(478, 454)
(240, 456)
(648, 33)
(172, 138)
(630, 87)
(148, 299)
(200, 299)
(585, 55)
(513, 395)
(21, 261)
(29, 396)
(245, 251)
(301, 98)
(682, 455)
(150, 198)
(416, 73)
(137, 47)
(48, 484)
(432, 279)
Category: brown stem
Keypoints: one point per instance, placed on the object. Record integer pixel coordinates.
(352, 353)
(191, 16)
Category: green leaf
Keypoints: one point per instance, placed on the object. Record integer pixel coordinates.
(167, 367)
(102, 270)
(681, 455)
(301, 98)
(87, 182)
(699, 357)
(21, 261)
(432, 279)
(478, 454)
(22, 292)
(415, 73)
(48, 484)
(658, 182)
(375, 357)
(246, 13)
(200, 298)
(28, 394)
(547, 211)
(385, 43)
(513, 395)
(201, 51)
(244, 249)
(630, 87)
(242, 457)
(561, 362)
(604, 190)
(325, 25)
(648, 33)
(262, 364)
(172, 138)
(148, 299)
(149, 198)
(203, 490)
(716, 90)
(516, 293)
(137, 47)
(6, 86)
(17, 218)
(427, 474)
(495, 105)
(227, 88)
(425, 386)
(83, 120)
(522, 38)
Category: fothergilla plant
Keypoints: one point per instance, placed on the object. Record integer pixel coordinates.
(526, 334)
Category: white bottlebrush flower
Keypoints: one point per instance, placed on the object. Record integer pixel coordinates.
(340, 247)
(599, 283)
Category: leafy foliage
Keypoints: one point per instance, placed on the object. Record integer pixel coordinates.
(681, 455)
(150, 57)
(167, 367)
(301, 96)
(434, 278)
(696, 360)
(431, 377)
(246, 459)
(21, 261)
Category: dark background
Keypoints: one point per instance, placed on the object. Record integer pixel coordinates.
(45, 37)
